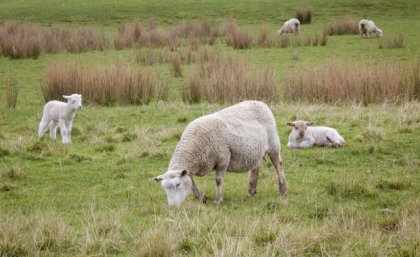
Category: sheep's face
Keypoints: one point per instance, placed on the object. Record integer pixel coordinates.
(177, 184)
(74, 100)
(378, 32)
(300, 127)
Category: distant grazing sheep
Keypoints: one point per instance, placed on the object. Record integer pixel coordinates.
(60, 114)
(367, 27)
(304, 135)
(234, 139)
(290, 26)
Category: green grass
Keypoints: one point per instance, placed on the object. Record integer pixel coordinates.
(96, 197)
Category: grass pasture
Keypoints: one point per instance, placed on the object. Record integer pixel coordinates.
(96, 197)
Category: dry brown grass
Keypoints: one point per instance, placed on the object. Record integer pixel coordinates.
(116, 84)
(304, 15)
(345, 26)
(11, 89)
(337, 82)
(236, 37)
(394, 41)
(308, 39)
(265, 39)
(224, 80)
(175, 62)
(26, 40)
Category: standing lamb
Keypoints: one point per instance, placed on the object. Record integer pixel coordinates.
(304, 136)
(234, 139)
(290, 26)
(367, 27)
(61, 114)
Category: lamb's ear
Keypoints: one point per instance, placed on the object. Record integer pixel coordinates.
(184, 172)
(291, 124)
(66, 97)
(310, 123)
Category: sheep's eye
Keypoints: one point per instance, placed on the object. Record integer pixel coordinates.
(73, 102)
(295, 128)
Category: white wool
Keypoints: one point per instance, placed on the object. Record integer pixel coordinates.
(367, 27)
(290, 26)
(303, 135)
(60, 114)
(233, 139)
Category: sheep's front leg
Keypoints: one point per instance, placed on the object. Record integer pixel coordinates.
(64, 132)
(198, 194)
(43, 126)
(53, 129)
(252, 181)
(220, 173)
(278, 165)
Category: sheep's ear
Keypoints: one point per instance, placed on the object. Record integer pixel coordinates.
(184, 172)
(158, 178)
(310, 123)
(66, 97)
(291, 124)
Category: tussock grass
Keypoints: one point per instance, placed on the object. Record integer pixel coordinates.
(27, 40)
(222, 80)
(338, 82)
(116, 84)
(345, 26)
(236, 37)
(11, 89)
(304, 15)
(394, 41)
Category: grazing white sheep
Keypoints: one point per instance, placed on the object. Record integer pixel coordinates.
(367, 27)
(60, 114)
(303, 135)
(290, 26)
(234, 139)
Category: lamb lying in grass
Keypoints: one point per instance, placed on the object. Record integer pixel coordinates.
(367, 27)
(60, 114)
(304, 135)
(234, 139)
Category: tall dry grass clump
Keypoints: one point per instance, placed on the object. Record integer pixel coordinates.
(308, 39)
(26, 40)
(135, 35)
(265, 39)
(338, 82)
(11, 89)
(394, 41)
(116, 84)
(304, 15)
(224, 80)
(345, 26)
(175, 62)
(237, 37)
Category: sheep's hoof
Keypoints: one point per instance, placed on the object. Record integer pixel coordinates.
(203, 199)
(252, 192)
(283, 189)
(218, 202)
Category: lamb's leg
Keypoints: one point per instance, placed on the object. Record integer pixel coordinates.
(53, 129)
(43, 126)
(64, 132)
(220, 173)
(69, 125)
(253, 179)
(198, 194)
(278, 165)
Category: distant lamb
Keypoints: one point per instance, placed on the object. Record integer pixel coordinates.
(234, 139)
(367, 27)
(303, 135)
(290, 26)
(61, 114)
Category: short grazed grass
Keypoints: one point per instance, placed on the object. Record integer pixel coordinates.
(96, 197)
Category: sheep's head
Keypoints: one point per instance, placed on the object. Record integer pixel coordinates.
(300, 127)
(378, 32)
(74, 100)
(177, 184)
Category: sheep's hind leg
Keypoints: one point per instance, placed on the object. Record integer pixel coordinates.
(198, 194)
(43, 126)
(253, 179)
(220, 173)
(278, 165)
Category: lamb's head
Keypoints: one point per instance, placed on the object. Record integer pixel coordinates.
(74, 100)
(378, 32)
(177, 184)
(300, 127)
